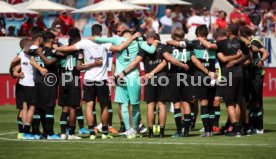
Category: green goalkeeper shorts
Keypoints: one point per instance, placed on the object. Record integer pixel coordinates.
(130, 92)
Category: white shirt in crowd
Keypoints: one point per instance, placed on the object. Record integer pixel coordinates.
(91, 52)
(194, 22)
(166, 20)
(179, 20)
(156, 25)
(167, 24)
(27, 69)
(209, 20)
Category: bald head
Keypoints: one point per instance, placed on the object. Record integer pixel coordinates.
(168, 12)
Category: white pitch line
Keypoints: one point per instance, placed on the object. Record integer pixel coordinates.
(7, 133)
(138, 143)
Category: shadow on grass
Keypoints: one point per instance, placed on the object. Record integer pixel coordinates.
(269, 131)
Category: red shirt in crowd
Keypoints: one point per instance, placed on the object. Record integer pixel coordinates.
(221, 23)
(244, 3)
(235, 16)
(67, 23)
(41, 24)
(24, 30)
(246, 19)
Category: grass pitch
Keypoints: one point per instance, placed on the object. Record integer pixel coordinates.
(256, 146)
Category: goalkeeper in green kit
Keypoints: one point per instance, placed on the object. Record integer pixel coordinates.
(128, 89)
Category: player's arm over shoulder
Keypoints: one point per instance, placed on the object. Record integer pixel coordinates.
(123, 45)
(80, 62)
(226, 59)
(258, 47)
(208, 44)
(112, 40)
(148, 48)
(47, 61)
(167, 56)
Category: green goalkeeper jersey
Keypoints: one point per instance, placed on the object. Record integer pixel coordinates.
(124, 58)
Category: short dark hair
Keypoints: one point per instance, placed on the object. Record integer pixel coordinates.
(36, 32)
(52, 29)
(96, 29)
(74, 32)
(220, 33)
(225, 14)
(47, 36)
(202, 30)
(245, 31)
(74, 35)
(157, 37)
(30, 20)
(233, 29)
(23, 42)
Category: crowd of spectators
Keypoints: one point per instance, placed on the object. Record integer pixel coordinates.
(62, 23)
(259, 15)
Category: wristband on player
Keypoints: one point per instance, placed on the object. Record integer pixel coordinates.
(182, 44)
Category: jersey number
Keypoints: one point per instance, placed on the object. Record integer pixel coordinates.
(181, 56)
(69, 63)
(206, 55)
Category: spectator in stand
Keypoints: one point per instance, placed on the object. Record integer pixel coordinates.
(245, 20)
(156, 24)
(58, 29)
(100, 20)
(221, 20)
(110, 22)
(235, 15)
(194, 21)
(216, 12)
(209, 20)
(177, 18)
(11, 31)
(57, 24)
(147, 25)
(2, 25)
(26, 28)
(269, 23)
(255, 17)
(185, 12)
(166, 22)
(132, 22)
(66, 21)
(40, 23)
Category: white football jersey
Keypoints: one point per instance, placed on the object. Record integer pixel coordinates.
(91, 52)
(27, 69)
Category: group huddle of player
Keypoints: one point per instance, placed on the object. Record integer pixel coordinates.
(182, 72)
